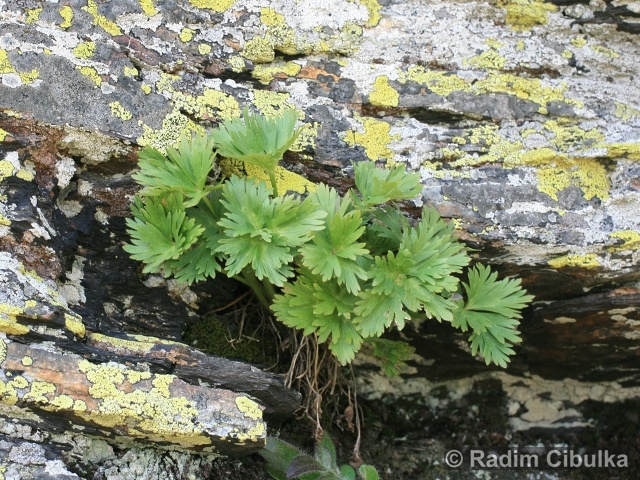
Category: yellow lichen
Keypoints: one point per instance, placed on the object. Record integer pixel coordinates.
(383, 94)
(579, 42)
(141, 344)
(134, 376)
(5, 64)
(29, 77)
(270, 17)
(27, 361)
(117, 110)
(6, 169)
(25, 175)
(148, 7)
(572, 136)
(216, 5)
(567, 54)
(186, 34)
(630, 238)
(623, 150)
(146, 89)
(74, 325)
(249, 408)
(607, 52)
(33, 15)
(100, 20)
(375, 139)
(204, 49)
(286, 181)
(526, 88)
(39, 391)
(374, 11)
(130, 71)
(174, 124)
(3, 135)
(149, 411)
(439, 83)
(271, 103)
(66, 13)
(258, 50)
(8, 320)
(523, 15)
(557, 172)
(488, 59)
(253, 434)
(579, 261)
(625, 112)
(3, 350)
(212, 103)
(267, 73)
(85, 49)
(92, 74)
(236, 63)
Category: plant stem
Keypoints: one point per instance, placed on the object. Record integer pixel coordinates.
(209, 206)
(272, 177)
(248, 278)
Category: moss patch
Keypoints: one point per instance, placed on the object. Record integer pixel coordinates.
(215, 336)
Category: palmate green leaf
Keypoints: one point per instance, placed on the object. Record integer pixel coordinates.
(195, 265)
(256, 139)
(392, 354)
(306, 305)
(399, 286)
(335, 251)
(160, 230)
(207, 215)
(262, 231)
(377, 185)
(184, 170)
(391, 291)
(385, 228)
(437, 254)
(492, 311)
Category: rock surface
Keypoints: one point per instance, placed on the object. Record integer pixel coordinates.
(522, 117)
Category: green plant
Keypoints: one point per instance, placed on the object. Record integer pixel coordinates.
(344, 268)
(286, 462)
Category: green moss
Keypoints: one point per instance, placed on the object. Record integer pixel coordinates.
(213, 336)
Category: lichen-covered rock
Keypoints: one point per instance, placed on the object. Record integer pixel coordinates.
(522, 117)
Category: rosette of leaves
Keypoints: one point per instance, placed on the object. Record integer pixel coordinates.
(286, 462)
(344, 268)
(258, 140)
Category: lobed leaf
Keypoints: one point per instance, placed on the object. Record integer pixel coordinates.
(309, 305)
(491, 311)
(262, 231)
(160, 230)
(183, 170)
(377, 186)
(392, 354)
(335, 251)
(256, 139)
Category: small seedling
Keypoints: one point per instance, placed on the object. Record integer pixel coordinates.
(286, 462)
